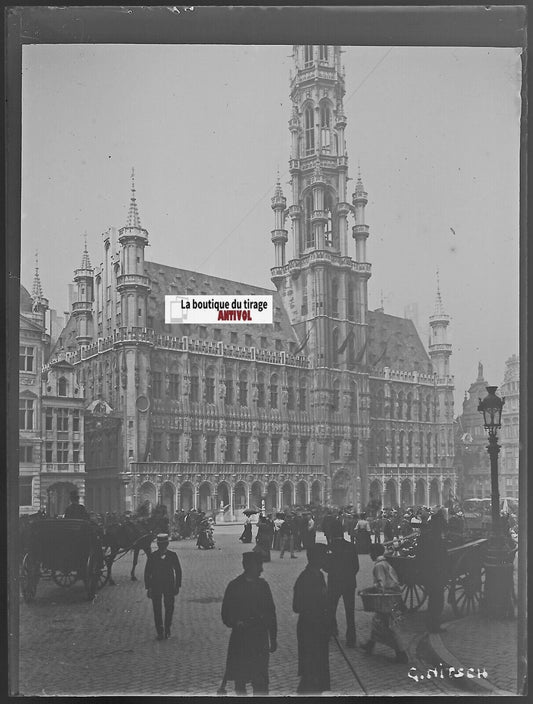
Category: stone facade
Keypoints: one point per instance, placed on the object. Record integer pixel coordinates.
(509, 436)
(332, 403)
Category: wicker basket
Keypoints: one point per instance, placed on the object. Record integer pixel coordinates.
(380, 602)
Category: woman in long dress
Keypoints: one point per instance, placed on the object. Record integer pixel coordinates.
(385, 627)
(246, 536)
(263, 538)
(362, 535)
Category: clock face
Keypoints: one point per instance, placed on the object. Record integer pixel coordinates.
(142, 403)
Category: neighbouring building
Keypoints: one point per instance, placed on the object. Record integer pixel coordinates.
(332, 403)
(63, 465)
(34, 346)
(509, 436)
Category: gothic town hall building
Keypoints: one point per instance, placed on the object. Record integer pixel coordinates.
(333, 403)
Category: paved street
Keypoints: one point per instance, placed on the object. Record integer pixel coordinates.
(108, 646)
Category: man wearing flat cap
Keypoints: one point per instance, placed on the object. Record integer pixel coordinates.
(162, 579)
(248, 609)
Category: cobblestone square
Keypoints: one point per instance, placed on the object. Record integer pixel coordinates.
(70, 646)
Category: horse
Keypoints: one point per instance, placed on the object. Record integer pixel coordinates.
(131, 534)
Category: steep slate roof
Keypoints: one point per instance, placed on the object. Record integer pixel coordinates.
(26, 302)
(167, 280)
(394, 342)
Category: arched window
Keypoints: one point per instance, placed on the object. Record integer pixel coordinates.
(261, 390)
(421, 438)
(400, 404)
(309, 130)
(328, 233)
(335, 346)
(410, 447)
(195, 385)
(308, 54)
(393, 447)
(428, 407)
(325, 127)
(392, 403)
(323, 52)
(290, 393)
(243, 388)
(62, 386)
(408, 410)
(350, 301)
(401, 447)
(336, 395)
(274, 391)
(309, 233)
(335, 298)
(354, 400)
(382, 457)
(428, 448)
(302, 396)
(380, 403)
(210, 385)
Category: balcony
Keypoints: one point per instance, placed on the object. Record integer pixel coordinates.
(219, 471)
(63, 468)
(82, 306)
(127, 280)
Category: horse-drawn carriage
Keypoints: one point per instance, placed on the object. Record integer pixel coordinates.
(466, 577)
(67, 550)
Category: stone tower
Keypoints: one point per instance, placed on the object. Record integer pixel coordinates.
(82, 307)
(440, 351)
(323, 288)
(132, 284)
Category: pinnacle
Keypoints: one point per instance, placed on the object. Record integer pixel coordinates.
(133, 214)
(37, 290)
(439, 308)
(85, 260)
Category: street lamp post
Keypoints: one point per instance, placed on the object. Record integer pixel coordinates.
(499, 559)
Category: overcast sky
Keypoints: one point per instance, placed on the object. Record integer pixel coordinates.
(435, 131)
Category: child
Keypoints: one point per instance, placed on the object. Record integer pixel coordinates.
(384, 625)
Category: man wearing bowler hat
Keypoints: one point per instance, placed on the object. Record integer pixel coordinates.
(75, 509)
(248, 609)
(162, 579)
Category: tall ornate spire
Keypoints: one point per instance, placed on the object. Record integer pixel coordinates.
(37, 290)
(85, 261)
(439, 308)
(133, 214)
(480, 372)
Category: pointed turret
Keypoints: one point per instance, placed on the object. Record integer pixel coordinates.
(82, 307)
(279, 234)
(360, 230)
(439, 348)
(39, 302)
(133, 213)
(132, 284)
(37, 289)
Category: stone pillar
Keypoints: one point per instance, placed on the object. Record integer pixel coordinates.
(231, 502)
(196, 489)
(427, 491)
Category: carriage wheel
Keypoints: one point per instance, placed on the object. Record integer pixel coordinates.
(92, 571)
(102, 571)
(413, 595)
(64, 578)
(466, 590)
(29, 578)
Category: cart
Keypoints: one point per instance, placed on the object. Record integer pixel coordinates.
(466, 577)
(67, 550)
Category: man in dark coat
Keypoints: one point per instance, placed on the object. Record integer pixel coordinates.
(327, 524)
(75, 509)
(248, 609)
(432, 562)
(342, 566)
(162, 579)
(286, 534)
(313, 629)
